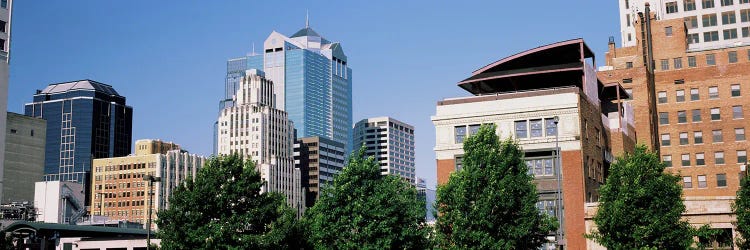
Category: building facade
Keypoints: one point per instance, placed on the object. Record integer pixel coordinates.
(319, 160)
(564, 118)
(24, 157)
(312, 82)
(5, 17)
(391, 142)
(119, 191)
(85, 120)
(59, 201)
(254, 128)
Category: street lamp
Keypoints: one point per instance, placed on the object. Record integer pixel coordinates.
(151, 179)
(558, 163)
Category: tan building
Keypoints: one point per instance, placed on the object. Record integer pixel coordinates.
(118, 182)
(522, 95)
(24, 157)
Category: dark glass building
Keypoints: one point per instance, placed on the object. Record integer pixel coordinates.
(85, 119)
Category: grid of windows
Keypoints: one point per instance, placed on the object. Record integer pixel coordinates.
(541, 167)
(535, 128)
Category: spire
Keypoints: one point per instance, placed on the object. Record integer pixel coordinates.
(307, 19)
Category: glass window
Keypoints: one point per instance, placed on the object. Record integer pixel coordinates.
(745, 31)
(667, 159)
(691, 61)
(727, 2)
(536, 128)
(728, 17)
(680, 93)
(677, 63)
(700, 159)
(721, 180)
(709, 20)
(663, 118)
(719, 157)
(745, 15)
(701, 181)
(685, 160)
(741, 156)
(730, 34)
(665, 141)
(739, 134)
(687, 182)
(473, 129)
(717, 136)
(707, 4)
(735, 90)
(541, 167)
(521, 129)
(732, 56)
(550, 126)
(737, 112)
(671, 7)
(698, 137)
(662, 96)
(688, 5)
(694, 94)
(710, 59)
(668, 31)
(691, 39)
(684, 138)
(460, 133)
(696, 115)
(713, 92)
(459, 163)
(715, 114)
(628, 65)
(682, 116)
(664, 64)
(691, 22)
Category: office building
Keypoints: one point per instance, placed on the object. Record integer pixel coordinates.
(24, 157)
(86, 120)
(119, 191)
(6, 7)
(312, 82)
(254, 128)
(550, 100)
(319, 160)
(699, 100)
(391, 142)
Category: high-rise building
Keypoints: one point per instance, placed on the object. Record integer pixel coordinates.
(391, 142)
(312, 82)
(24, 157)
(568, 123)
(5, 16)
(85, 120)
(119, 191)
(319, 160)
(254, 128)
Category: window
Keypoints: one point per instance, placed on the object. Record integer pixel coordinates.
(707, 4)
(693, 38)
(627, 4)
(709, 20)
(694, 95)
(732, 56)
(698, 137)
(685, 160)
(739, 134)
(710, 36)
(541, 167)
(741, 156)
(680, 95)
(460, 133)
(700, 159)
(628, 65)
(691, 59)
(671, 7)
(682, 116)
(663, 118)
(691, 22)
(664, 64)
(715, 114)
(730, 34)
(728, 17)
(713, 92)
(745, 15)
(696, 115)
(719, 157)
(521, 127)
(536, 128)
(627, 80)
(677, 63)
(688, 5)
(687, 182)
(737, 112)
(459, 163)
(721, 180)
(745, 31)
(727, 2)
(668, 31)
(665, 140)
(667, 159)
(701, 181)
(717, 136)
(627, 19)
(550, 126)
(4, 4)
(662, 96)
(735, 90)
(684, 138)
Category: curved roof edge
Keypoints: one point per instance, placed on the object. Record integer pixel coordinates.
(588, 53)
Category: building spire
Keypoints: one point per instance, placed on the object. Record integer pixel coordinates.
(307, 19)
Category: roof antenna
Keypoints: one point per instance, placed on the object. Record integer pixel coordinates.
(307, 19)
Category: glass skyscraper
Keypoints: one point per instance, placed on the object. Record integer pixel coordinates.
(312, 82)
(85, 119)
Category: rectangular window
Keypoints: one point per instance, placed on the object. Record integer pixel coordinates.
(700, 159)
(663, 118)
(732, 56)
(735, 90)
(713, 92)
(521, 129)
(710, 36)
(691, 22)
(745, 31)
(667, 159)
(473, 129)
(737, 112)
(540, 167)
(682, 116)
(691, 39)
(536, 127)
(710, 59)
(680, 95)
(662, 97)
(685, 160)
(459, 163)
(664, 64)
(671, 7)
(728, 17)
(701, 181)
(719, 157)
(741, 156)
(696, 115)
(730, 34)
(721, 180)
(668, 31)
(4, 4)
(709, 20)
(707, 4)
(739, 134)
(688, 5)
(460, 132)
(715, 114)
(628, 65)
(684, 138)
(727, 2)
(745, 15)
(717, 136)
(687, 182)
(698, 137)
(691, 61)
(694, 95)
(665, 141)
(550, 127)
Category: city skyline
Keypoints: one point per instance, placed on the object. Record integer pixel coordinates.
(411, 53)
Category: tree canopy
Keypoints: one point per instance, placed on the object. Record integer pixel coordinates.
(741, 207)
(491, 202)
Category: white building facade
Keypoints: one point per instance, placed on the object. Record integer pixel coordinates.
(391, 142)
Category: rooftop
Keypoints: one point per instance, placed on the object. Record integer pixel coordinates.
(57, 88)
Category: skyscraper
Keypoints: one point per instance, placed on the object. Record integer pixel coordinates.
(85, 119)
(5, 16)
(391, 142)
(312, 82)
(319, 161)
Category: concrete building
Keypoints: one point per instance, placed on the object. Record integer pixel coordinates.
(391, 142)
(59, 202)
(254, 128)
(6, 7)
(319, 160)
(699, 100)
(709, 24)
(522, 94)
(312, 82)
(85, 120)
(119, 191)
(24, 157)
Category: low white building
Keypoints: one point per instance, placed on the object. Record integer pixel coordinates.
(59, 201)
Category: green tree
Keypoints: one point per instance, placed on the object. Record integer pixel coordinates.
(641, 206)
(491, 202)
(225, 209)
(741, 207)
(364, 209)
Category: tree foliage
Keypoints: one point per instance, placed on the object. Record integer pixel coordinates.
(641, 206)
(741, 207)
(364, 209)
(225, 209)
(491, 202)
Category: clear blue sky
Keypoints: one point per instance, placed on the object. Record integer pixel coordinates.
(169, 57)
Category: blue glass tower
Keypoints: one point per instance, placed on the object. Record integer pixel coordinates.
(312, 82)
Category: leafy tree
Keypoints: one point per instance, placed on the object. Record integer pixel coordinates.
(641, 206)
(741, 207)
(225, 209)
(364, 209)
(491, 202)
